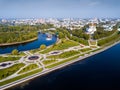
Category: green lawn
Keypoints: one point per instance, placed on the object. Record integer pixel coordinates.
(28, 68)
(11, 70)
(4, 59)
(21, 54)
(34, 50)
(82, 54)
(85, 49)
(88, 52)
(64, 55)
(45, 62)
(96, 50)
(20, 77)
(63, 45)
(56, 64)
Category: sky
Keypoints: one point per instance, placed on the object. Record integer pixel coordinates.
(59, 8)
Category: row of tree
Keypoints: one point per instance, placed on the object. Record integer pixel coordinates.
(109, 39)
(11, 37)
(80, 34)
(101, 33)
(76, 35)
(20, 28)
(18, 33)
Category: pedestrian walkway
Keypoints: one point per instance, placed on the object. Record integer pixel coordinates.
(28, 53)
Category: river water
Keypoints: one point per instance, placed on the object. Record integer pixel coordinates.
(98, 72)
(29, 46)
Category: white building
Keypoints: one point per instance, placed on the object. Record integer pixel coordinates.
(91, 29)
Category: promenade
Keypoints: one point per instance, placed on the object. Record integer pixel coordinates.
(54, 68)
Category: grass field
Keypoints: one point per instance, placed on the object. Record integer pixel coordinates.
(56, 64)
(64, 55)
(28, 68)
(4, 59)
(63, 45)
(11, 70)
(20, 77)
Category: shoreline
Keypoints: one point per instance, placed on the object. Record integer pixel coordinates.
(17, 82)
(17, 43)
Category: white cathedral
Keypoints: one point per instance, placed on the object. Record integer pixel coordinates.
(91, 29)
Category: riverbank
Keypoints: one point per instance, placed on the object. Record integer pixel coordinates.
(55, 68)
(15, 43)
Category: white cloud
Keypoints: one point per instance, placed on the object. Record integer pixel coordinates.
(93, 3)
(89, 3)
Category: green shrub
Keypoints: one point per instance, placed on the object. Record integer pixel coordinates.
(42, 47)
(15, 52)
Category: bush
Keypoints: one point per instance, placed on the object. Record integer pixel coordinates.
(12, 34)
(15, 52)
(61, 35)
(80, 40)
(42, 47)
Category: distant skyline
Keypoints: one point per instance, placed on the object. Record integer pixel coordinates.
(59, 8)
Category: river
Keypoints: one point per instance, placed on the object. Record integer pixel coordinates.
(29, 46)
(98, 72)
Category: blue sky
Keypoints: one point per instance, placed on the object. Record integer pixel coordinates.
(59, 8)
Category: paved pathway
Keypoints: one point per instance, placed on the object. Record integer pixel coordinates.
(28, 53)
(43, 66)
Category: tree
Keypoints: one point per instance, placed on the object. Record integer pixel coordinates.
(15, 52)
(54, 45)
(42, 47)
(61, 35)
